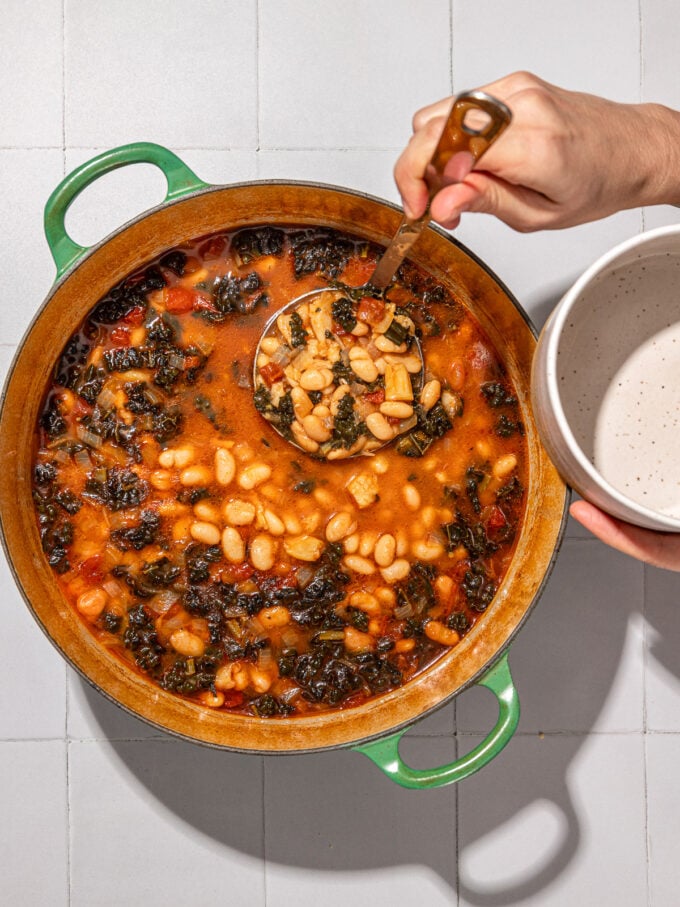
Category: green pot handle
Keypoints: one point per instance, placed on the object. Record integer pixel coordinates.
(385, 751)
(181, 181)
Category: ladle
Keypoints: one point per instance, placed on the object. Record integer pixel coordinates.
(474, 122)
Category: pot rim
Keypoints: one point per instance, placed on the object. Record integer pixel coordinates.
(556, 324)
(364, 738)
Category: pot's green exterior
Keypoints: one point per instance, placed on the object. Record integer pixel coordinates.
(385, 752)
(181, 181)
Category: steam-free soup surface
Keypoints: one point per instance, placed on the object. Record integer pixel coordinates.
(226, 565)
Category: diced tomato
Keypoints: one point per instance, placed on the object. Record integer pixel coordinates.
(496, 520)
(80, 408)
(179, 300)
(376, 396)
(203, 303)
(213, 248)
(271, 373)
(339, 331)
(191, 265)
(135, 316)
(371, 310)
(233, 698)
(240, 572)
(479, 356)
(191, 362)
(91, 569)
(120, 336)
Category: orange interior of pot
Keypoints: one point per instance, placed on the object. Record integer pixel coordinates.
(69, 302)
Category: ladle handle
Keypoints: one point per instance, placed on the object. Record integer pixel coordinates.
(460, 146)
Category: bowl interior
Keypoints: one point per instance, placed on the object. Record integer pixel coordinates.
(140, 241)
(617, 361)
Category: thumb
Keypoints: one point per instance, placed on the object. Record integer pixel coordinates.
(520, 208)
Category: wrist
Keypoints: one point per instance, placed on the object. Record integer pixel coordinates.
(660, 142)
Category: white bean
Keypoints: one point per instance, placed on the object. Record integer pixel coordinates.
(385, 550)
(254, 475)
(396, 409)
(504, 466)
(315, 428)
(364, 369)
(239, 513)
(411, 496)
(225, 466)
(262, 552)
(359, 564)
(195, 475)
(304, 548)
(233, 546)
(379, 427)
(397, 571)
(430, 394)
(204, 532)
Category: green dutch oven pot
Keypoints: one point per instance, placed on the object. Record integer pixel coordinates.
(193, 208)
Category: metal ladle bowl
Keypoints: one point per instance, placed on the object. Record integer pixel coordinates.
(474, 122)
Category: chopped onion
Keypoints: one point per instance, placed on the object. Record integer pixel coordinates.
(304, 576)
(408, 424)
(113, 588)
(265, 659)
(162, 602)
(282, 355)
(176, 360)
(82, 458)
(401, 612)
(106, 399)
(88, 437)
(289, 638)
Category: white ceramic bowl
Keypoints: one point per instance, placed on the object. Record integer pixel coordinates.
(606, 382)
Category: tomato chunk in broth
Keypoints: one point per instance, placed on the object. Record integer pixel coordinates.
(224, 563)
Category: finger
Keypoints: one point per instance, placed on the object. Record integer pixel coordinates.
(660, 549)
(425, 114)
(518, 207)
(409, 170)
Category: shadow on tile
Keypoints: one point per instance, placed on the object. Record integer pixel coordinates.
(331, 812)
(334, 812)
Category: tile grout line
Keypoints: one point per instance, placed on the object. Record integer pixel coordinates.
(257, 88)
(264, 830)
(451, 3)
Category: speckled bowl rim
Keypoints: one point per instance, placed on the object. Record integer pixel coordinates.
(556, 323)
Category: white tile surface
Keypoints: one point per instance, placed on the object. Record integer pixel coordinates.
(363, 171)
(663, 797)
(33, 691)
(662, 650)
(358, 838)
(558, 821)
(183, 823)
(31, 75)
(26, 180)
(585, 46)
(164, 71)
(296, 89)
(360, 71)
(34, 829)
(578, 661)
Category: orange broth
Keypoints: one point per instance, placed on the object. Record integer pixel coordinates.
(228, 566)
